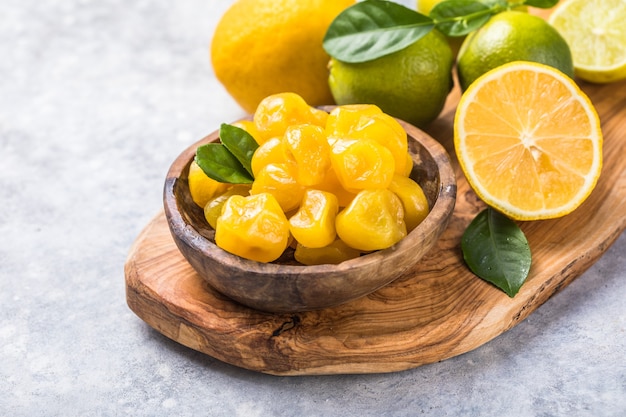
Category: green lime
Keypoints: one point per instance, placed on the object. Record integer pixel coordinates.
(512, 36)
(411, 84)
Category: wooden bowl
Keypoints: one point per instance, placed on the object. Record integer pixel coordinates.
(286, 286)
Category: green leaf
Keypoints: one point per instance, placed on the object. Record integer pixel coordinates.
(496, 250)
(460, 17)
(502, 4)
(218, 163)
(372, 29)
(240, 143)
(542, 4)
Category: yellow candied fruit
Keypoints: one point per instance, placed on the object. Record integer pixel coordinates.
(342, 119)
(319, 117)
(253, 227)
(280, 181)
(362, 164)
(387, 131)
(308, 165)
(374, 220)
(413, 200)
(271, 152)
(213, 209)
(334, 253)
(277, 112)
(408, 168)
(201, 187)
(314, 224)
(332, 185)
(309, 148)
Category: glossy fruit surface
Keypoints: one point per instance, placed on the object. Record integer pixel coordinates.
(201, 187)
(313, 225)
(253, 227)
(413, 200)
(374, 220)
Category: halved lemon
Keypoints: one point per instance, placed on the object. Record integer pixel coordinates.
(528, 141)
(596, 33)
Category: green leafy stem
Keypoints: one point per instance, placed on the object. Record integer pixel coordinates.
(374, 28)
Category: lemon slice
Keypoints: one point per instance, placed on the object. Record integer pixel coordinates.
(596, 33)
(528, 141)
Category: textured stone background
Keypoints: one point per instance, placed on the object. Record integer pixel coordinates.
(97, 98)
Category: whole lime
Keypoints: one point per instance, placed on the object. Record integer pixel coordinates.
(512, 36)
(411, 84)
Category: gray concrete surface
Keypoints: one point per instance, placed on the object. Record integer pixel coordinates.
(96, 99)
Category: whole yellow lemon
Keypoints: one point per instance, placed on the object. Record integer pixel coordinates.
(265, 47)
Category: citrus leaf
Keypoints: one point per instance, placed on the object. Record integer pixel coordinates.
(372, 29)
(496, 250)
(218, 163)
(542, 4)
(502, 4)
(460, 17)
(240, 143)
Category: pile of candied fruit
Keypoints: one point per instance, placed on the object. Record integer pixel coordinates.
(331, 185)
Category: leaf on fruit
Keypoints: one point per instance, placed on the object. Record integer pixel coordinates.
(372, 29)
(219, 163)
(240, 143)
(460, 17)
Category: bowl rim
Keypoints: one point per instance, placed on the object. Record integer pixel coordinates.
(439, 212)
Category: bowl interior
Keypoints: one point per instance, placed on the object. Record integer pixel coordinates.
(287, 286)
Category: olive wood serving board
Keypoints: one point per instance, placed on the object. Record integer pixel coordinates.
(437, 311)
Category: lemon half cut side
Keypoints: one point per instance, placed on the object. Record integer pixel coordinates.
(529, 141)
(596, 33)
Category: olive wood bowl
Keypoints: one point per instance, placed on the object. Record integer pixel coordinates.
(286, 286)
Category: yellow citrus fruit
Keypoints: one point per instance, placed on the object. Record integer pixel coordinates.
(529, 141)
(411, 84)
(596, 33)
(425, 6)
(201, 187)
(512, 36)
(264, 47)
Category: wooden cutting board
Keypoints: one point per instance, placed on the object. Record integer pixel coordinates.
(439, 311)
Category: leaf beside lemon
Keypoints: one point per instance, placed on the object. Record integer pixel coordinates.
(528, 141)
(596, 33)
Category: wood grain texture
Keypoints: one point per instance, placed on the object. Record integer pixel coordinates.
(436, 311)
